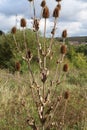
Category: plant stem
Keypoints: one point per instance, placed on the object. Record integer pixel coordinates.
(45, 44)
(52, 38)
(43, 127)
(34, 9)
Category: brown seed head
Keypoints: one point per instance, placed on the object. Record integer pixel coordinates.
(43, 3)
(58, 0)
(66, 95)
(64, 34)
(13, 30)
(56, 12)
(17, 66)
(28, 54)
(65, 67)
(45, 13)
(30, 0)
(23, 23)
(59, 6)
(63, 49)
(44, 77)
(36, 25)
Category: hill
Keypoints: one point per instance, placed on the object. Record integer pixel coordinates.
(77, 39)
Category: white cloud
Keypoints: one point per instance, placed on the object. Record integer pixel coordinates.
(73, 15)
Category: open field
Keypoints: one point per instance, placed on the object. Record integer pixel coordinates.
(16, 103)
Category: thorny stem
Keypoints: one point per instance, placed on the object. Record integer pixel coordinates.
(52, 38)
(43, 91)
(43, 127)
(34, 9)
(63, 117)
(45, 44)
(33, 80)
(15, 42)
(39, 57)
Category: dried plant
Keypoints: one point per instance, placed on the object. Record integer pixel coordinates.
(46, 100)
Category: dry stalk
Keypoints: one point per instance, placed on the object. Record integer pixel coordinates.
(46, 106)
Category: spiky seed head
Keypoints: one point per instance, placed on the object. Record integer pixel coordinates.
(59, 6)
(56, 12)
(44, 77)
(43, 3)
(13, 30)
(58, 0)
(23, 23)
(65, 67)
(28, 55)
(53, 31)
(36, 24)
(63, 49)
(17, 66)
(66, 95)
(64, 34)
(45, 13)
(30, 0)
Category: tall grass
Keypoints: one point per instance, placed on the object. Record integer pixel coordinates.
(42, 100)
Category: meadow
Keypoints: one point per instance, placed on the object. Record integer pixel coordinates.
(43, 81)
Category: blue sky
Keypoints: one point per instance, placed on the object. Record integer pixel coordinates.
(73, 15)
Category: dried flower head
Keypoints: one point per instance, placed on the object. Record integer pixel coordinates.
(17, 66)
(64, 34)
(66, 95)
(65, 67)
(23, 23)
(13, 30)
(56, 12)
(44, 75)
(45, 13)
(59, 6)
(43, 3)
(53, 31)
(63, 49)
(58, 0)
(28, 55)
(36, 24)
(30, 0)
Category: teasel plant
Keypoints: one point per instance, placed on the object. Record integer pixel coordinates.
(46, 100)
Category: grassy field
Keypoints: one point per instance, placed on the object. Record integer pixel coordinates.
(16, 103)
(16, 99)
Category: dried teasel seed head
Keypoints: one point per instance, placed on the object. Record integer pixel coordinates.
(64, 34)
(65, 67)
(56, 12)
(59, 6)
(44, 75)
(23, 23)
(30, 0)
(17, 66)
(36, 24)
(53, 31)
(43, 3)
(58, 0)
(13, 30)
(66, 95)
(45, 13)
(28, 55)
(63, 49)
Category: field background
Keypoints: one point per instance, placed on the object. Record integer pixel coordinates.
(14, 86)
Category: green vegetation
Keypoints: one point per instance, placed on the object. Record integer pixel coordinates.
(42, 81)
(14, 89)
(77, 55)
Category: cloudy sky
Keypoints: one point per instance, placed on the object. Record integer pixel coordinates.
(73, 15)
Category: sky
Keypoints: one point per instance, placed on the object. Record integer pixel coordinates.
(73, 16)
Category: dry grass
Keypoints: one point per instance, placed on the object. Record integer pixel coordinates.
(16, 104)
